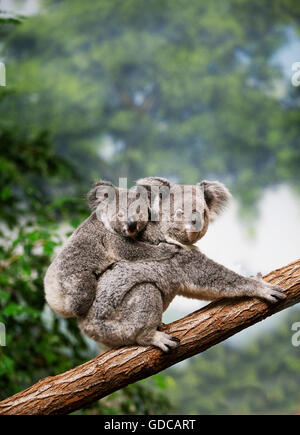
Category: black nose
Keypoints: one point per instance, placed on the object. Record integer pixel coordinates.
(132, 224)
(195, 219)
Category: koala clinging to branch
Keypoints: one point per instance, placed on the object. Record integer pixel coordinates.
(131, 297)
(105, 237)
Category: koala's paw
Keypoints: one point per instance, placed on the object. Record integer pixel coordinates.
(164, 341)
(271, 293)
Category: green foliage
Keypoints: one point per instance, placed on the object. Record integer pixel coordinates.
(39, 343)
(184, 89)
(258, 378)
(25, 165)
(38, 189)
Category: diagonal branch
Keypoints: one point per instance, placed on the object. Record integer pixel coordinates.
(115, 369)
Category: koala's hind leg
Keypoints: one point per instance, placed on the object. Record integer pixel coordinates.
(105, 331)
(135, 321)
(71, 295)
(79, 292)
(142, 308)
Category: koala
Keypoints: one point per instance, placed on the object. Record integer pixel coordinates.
(131, 297)
(105, 237)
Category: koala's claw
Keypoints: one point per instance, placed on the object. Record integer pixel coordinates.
(271, 293)
(165, 341)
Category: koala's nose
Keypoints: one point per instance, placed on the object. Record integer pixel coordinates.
(196, 221)
(132, 224)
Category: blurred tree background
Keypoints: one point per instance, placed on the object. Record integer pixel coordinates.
(261, 377)
(186, 90)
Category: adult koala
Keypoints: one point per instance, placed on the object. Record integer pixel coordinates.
(131, 297)
(105, 237)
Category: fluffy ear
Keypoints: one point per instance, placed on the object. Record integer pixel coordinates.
(216, 195)
(98, 193)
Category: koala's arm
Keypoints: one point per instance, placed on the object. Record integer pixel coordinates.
(79, 292)
(121, 248)
(206, 279)
(188, 273)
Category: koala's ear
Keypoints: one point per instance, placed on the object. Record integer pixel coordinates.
(99, 192)
(216, 196)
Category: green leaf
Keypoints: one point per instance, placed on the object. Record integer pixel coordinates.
(5, 193)
(6, 365)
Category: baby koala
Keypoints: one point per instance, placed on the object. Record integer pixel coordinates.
(131, 297)
(105, 237)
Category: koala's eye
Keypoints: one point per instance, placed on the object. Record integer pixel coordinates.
(120, 214)
(179, 213)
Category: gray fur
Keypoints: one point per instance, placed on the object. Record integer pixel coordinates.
(131, 297)
(71, 280)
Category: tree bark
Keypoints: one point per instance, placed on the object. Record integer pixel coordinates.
(115, 369)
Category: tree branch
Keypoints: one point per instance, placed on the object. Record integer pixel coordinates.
(115, 369)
